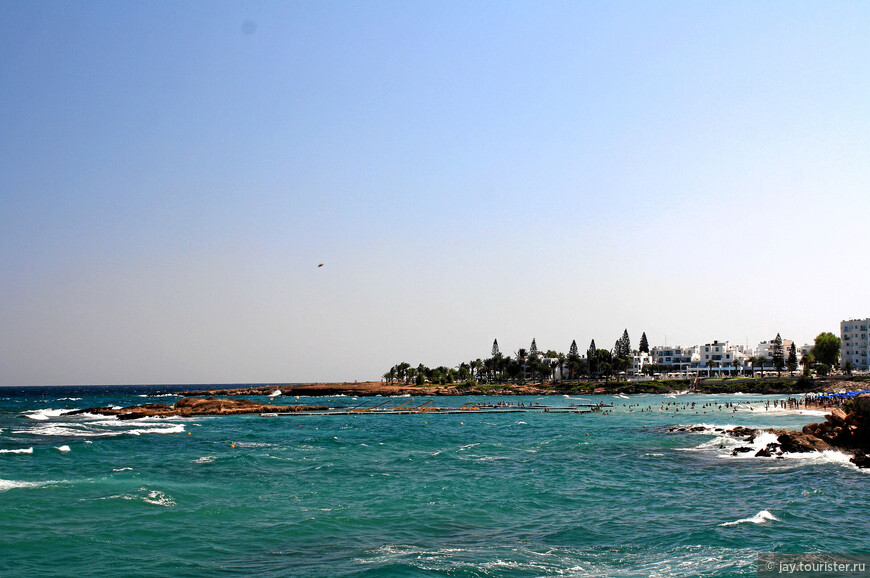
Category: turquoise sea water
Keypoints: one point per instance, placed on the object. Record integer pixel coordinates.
(410, 495)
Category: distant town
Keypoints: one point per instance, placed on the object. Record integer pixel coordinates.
(848, 353)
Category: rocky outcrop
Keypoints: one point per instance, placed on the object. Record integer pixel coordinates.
(846, 429)
(191, 406)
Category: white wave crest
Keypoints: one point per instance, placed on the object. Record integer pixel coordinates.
(96, 429)
(121, 469)
(204, 460)
(178, 428)
(22, 451)
(44, 414)
(68, 399)
(155, 497)
(10, 484)
(63, 448)
(158, 498)
(759, 518)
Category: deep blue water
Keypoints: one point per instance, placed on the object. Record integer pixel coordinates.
(395, 495)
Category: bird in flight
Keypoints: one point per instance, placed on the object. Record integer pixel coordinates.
(321, 265)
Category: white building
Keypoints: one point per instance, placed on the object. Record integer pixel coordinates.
(718, 357)
(854, 344)
(765, 349)
(675, 359)
(640, 360)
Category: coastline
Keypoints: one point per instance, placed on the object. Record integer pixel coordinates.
(771, 385)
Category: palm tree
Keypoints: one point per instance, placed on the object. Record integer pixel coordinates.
(390, 375)
(807, 360)
(848, 367)
(521, 357)
(476, 366)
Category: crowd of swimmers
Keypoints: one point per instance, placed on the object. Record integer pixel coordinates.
(791, 403)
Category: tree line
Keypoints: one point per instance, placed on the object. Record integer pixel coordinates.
(531, 365)
(525, 365)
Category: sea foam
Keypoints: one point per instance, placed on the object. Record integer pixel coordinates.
(44, 414)
(22, 451)
(6, 485)
(759, 518)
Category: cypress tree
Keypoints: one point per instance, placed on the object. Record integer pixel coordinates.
(573, 349)
(533, 349)
(792, 357)
(495, 351)
(778, 356)
(592, 357)
(644, 344)
(624, 346)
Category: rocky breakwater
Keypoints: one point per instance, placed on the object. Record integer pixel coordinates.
(192, 406)
(845, 429)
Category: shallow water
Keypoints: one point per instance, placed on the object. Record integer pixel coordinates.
(372, 495)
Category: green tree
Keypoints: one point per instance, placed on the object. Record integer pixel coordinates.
(778, 355)
(495, 351)
(533, 349)
(476, 365)
(592, 358)
(807, 361)
(573, 360)
(848, 367)
(464, 371)
(621, 359)
(644, 344)
(710, 365)
(792, 358)
(390, 375)
(624, 346)
(522, 358)
(826, 349)
(758, 361)
(605, 363)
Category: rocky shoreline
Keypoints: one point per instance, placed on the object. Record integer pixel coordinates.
(192, 406)
(844, 430)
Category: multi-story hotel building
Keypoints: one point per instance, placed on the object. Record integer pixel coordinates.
(854, 344)
(676, 359)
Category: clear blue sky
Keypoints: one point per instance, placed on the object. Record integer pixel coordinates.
(172, 173)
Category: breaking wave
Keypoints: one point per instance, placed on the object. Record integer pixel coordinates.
(759, 518)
